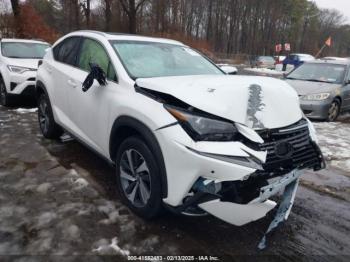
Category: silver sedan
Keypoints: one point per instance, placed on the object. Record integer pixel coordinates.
(323, 88)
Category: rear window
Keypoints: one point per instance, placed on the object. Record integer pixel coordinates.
(67, 51)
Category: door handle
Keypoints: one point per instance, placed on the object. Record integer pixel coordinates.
(72, 83)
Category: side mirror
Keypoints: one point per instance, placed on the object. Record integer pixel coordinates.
(96, 72)
(229, 70)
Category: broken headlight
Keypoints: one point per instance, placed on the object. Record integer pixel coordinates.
(204, 128)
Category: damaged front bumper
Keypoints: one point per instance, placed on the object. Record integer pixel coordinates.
(235, 180)
(256, 208)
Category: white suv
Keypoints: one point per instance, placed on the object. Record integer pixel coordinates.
(18, 65)
(180, 132)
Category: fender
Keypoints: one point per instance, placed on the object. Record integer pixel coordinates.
(40, 86)
(4, 76)
(134, 126)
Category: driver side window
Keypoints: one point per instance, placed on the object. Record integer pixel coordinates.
(93, 52)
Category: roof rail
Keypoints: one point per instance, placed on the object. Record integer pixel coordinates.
(37, 39)
(92, 31)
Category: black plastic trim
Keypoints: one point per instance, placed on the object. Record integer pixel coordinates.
(147, 135)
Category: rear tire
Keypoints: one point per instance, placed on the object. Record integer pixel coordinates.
(333, 111)
(5, 99)
(138, 178)
(49, 128)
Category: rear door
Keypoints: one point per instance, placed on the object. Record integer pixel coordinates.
(90, 109)
(65, 56)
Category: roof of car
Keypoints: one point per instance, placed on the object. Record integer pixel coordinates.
(335, 58)
(299, 54)
(122, 36)
(325, 61)
(23, 40)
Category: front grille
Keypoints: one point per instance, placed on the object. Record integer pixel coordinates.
(304, 153)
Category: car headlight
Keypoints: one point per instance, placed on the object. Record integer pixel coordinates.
(19, 69)
(316, 97)
(203, 128)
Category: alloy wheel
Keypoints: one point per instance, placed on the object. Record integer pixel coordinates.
(135, 177)
(333, 111)
(44, 119)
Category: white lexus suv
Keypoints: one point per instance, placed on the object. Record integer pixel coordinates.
(180, 132)
(18, 65)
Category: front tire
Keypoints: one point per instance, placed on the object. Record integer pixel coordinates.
(138, 178)
(49, 128)
(4, 96)
(333, 111)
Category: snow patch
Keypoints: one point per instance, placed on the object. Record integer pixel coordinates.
(81, 183)
(264, 71)
(106, 248)
(334, 141)
(72, 232)
(45, 218)
(26, 110)
(43, 188)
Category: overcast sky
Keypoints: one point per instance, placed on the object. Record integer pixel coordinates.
(342, 5)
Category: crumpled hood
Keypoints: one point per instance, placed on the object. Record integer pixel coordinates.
(257, 102)
(308, 87)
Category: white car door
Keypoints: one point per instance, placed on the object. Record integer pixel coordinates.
(65, 55)
(89, 110)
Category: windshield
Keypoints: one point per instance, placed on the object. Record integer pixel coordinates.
(329, 73)
(150, 59)
(23, 50)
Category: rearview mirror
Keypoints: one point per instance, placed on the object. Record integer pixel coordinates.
(96, 72)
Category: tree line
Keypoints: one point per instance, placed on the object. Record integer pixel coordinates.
(251, 27)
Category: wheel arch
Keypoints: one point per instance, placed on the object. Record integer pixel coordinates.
(339, 99)
(126, 126)
(40, 89)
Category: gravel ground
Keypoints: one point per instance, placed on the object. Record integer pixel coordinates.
(59, 199)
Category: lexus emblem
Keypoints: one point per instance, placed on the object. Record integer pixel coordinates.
(284, 149)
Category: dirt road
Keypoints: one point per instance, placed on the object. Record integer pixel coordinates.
(58, 198)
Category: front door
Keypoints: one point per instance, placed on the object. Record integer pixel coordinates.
(90, 109)
(346, 95)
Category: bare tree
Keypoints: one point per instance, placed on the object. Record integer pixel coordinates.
(131, 7)
(16, 13)
(108, 15)
(86, 6)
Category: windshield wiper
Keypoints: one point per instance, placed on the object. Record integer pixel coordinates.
(35, 57)
(317, 80)
(292, 78)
